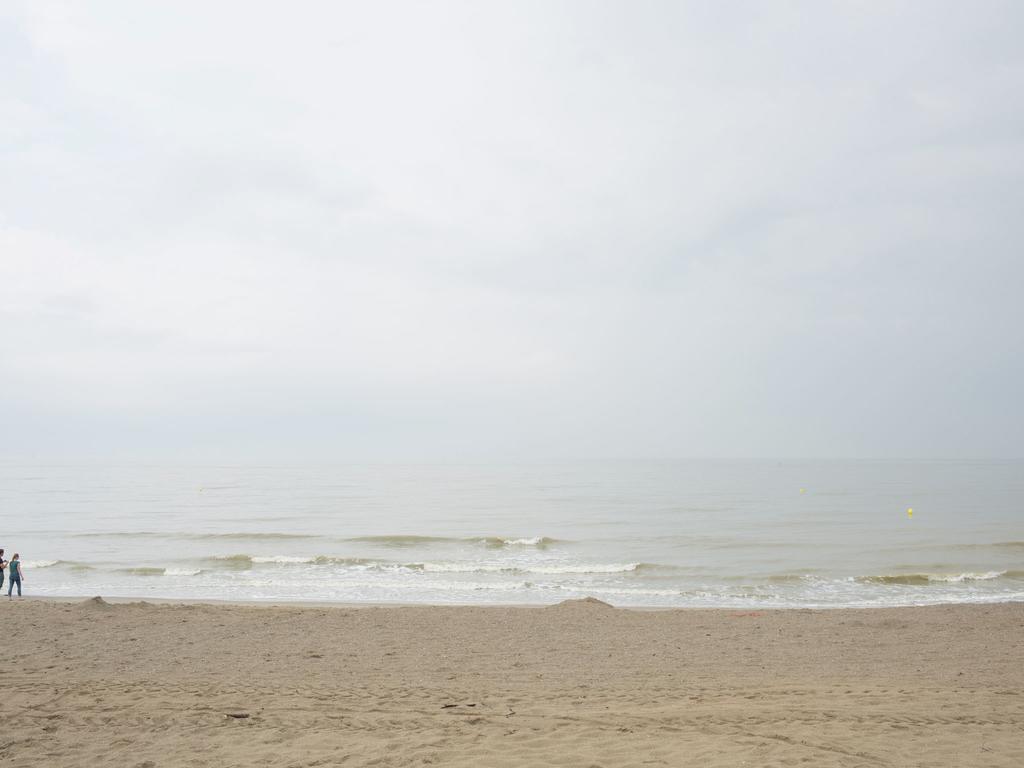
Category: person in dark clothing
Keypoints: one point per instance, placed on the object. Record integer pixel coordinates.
(15, 576)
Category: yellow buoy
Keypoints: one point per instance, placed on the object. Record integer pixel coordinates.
(803, 490)
(910, 512)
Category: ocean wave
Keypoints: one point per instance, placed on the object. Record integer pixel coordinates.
(404, 540)
(244, 561)
(929, 578)
(44, 563)
(552, 569)
(534, 541)
(118, 535)
(193, 536)
(243, 536)
(143, 570)
(159, 570)
(792, 578)
(584, 568)
(229, 561)
(493, 542)
(400, 540)
(962, 546)
(248, 561)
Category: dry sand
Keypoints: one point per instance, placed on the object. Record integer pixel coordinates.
(579, 684)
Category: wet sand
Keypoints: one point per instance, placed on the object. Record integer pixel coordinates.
(579, 684)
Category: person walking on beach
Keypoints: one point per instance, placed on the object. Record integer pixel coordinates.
(14, 577)
(3, 564)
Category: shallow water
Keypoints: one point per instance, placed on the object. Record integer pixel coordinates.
(679, 533)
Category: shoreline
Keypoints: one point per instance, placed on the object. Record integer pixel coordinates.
(579, 683)
(272, 603)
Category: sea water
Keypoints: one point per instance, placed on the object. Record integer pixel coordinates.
(738, 534)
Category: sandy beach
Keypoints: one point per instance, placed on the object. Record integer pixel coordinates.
(578, 684)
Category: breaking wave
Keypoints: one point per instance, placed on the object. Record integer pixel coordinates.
(244, 561)
(248, 561)
(539, 542)
(159, 571)
(930, 578)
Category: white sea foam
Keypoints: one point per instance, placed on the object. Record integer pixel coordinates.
(283, 559)
(603, 590)
(597, 568)
(182, 571)
(40, 563)
(960, 577)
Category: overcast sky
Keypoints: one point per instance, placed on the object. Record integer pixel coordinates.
(364, 231)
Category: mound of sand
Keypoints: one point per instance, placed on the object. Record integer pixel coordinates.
(588, 603)
(95, 603)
